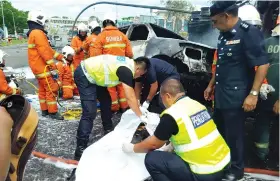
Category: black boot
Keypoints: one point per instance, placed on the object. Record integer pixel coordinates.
(81, 146)
(56, 116)
(45, 113)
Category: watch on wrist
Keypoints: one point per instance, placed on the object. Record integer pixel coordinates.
(254, 93)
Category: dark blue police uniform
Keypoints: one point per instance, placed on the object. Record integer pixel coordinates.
(158, 71)
(239, 51)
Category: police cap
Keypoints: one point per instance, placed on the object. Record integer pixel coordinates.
(222, 6)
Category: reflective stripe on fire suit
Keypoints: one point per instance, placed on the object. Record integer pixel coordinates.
(5, 89)
(66, 77)
(76, 44)
(114, 42)
(41, 54)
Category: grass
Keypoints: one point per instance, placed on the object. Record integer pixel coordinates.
(13, 42)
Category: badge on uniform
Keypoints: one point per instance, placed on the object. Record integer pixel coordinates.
(121, 58)
(233, 42)
(200, 118)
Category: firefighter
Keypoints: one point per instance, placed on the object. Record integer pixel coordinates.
(237, 85)
(5, 88)
(66, 72)
(114, 42)
(92, 78)
(95, 30)
(201, 153)
(18, 127)
(6, 124)
(78, 44)
(41, 61)
(268, 111)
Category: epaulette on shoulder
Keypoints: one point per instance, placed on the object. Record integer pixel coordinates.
(245, 26)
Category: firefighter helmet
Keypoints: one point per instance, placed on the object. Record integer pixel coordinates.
(82, 27)
(38, 17)
(93, 25)
(109, 18)
(2, 60)
(250, 14)
(67, 50)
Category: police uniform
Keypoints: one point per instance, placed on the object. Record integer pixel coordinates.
(92, 78)
(239, 51)
(158, 71)
(200, 150)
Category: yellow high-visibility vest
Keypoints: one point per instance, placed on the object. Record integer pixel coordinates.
(102, 70)
(198, 141)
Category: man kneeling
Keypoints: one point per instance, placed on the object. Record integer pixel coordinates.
(201, 153)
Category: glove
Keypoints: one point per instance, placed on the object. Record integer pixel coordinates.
(128, 147)
(146, 104)
(55, 74)
(144, 119)
(265, 89)
(167, 148)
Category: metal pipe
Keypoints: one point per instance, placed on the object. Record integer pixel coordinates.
(129, 5)
(3, 18)
(14, 22)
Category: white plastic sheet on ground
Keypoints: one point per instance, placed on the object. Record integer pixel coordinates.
(105, 160)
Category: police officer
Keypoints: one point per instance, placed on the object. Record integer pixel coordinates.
(158, 71)
(92, 78)
(236, 83)
(201, 153)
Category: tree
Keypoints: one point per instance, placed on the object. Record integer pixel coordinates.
(177, 16)
(20, 18)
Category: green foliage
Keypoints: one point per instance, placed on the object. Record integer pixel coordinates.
(178, 16)
(20, 18)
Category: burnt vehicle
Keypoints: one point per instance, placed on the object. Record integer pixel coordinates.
(192, 60)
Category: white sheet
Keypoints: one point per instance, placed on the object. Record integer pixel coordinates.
(105, 160)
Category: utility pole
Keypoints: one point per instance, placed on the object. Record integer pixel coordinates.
(14, 22)
(3, 18)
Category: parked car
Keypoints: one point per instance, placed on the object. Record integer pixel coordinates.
(192, 60)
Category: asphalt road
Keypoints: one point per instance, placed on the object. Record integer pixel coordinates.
(17, 56)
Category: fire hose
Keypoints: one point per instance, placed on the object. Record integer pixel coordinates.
(74, 162)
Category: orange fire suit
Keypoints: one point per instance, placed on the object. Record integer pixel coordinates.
(41, 60)
(5, 89)
(89, 44)
(114, 42)
(76, 44)
(66, 73)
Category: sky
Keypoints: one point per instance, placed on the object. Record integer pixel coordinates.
(72, 8)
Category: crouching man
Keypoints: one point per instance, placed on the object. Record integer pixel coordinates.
(200, 151)
(66, 72)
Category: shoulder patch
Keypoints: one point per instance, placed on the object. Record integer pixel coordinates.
(245, 26)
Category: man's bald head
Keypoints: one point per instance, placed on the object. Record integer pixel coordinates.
(172, 87)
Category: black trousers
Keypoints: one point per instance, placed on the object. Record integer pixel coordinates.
(164, 166)
(231, 123)
(89, 93)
